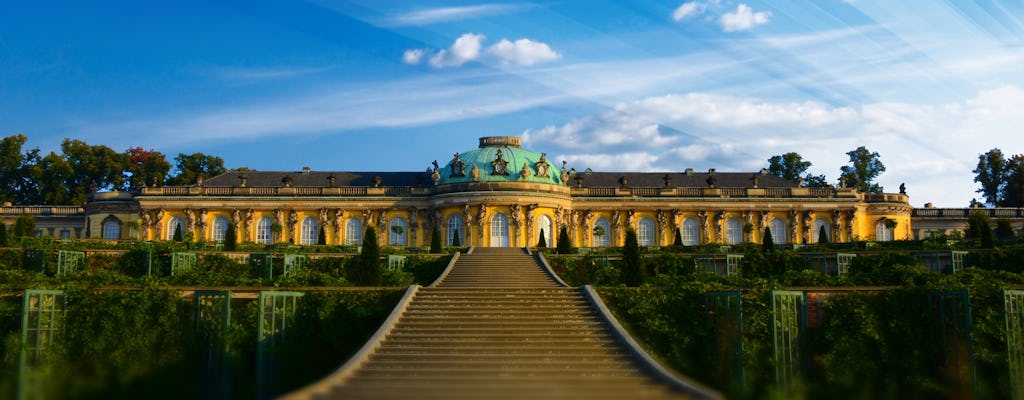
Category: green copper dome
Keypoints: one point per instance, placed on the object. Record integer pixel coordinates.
(508, 167)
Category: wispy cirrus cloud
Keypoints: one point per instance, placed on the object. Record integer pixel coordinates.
(429, 16)
(469, 47)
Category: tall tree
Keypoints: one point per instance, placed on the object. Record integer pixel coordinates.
(1013, 191)
(564, 245)
(991, 174)
(92, 167)
(633, 271)
(864, 167)
(790, 166)
(16, 183)
(542, 242)
(143, 167)
(767, 243)
(435, 240)
(190, 167)
(51, 175)
(367, 271)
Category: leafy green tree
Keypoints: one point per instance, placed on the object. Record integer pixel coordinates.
(145, 167)
(822, 235)
(1004, 231)
(435, 240)
(367, 269)
(16, 183)
(190, 167)
(816, 181)
(24, 226)
(178, 235)
(633, 270)
(231, 238)
(979, 227)
(52, 174)
(790, 166)
(93, 167)
(456, 240)
(991, 174)
(767, 242)
(542, 242)
(864, 167)
(564, 245)
(1013, 191)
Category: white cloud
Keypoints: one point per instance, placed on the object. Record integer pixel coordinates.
(688, 10)
(743, 19)
(523, 52)
(447, 14)
(413, 56)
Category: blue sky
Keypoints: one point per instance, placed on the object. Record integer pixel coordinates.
(613, 86)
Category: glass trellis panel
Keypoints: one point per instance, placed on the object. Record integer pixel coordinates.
(930, 259)
(262, 265)
(1014, 308)
(69, 262)
(212, 321)
(34, 260)
(396, 262)
(276, 314)
(42, 323)
(789, 319)
(950, 313)
(817, 261)
(843, 262)
(600, 262)
(732, 264)
(958, 260)
(705, 263)
(725, 338)
(183, 262)
(293, 262)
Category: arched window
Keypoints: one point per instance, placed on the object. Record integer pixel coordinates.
(174, 224)
(264, 233)
(112, 229)
(602, 233)
(220, 229)
(882, 232)
(544, 229)
(354, 231)
(817, 231)
(455, 228)
(733, 231)
(645, 235)
(691, 232)
(499, 230)
(778, 228)
(397, 232)
(310, 231)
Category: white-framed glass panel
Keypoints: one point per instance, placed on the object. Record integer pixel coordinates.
(733, 231)
(499, 230)
(691, 232)
(112, 230)
(220, 229)
(645, 234)
(778, 228)
(264, 233)
(455, 228)
(354, 231)
(397, 231)
(65, 234)
(172, 225)
(882, 232)
(310, 231)
(816, 231)
(544, 229)
(602, 232)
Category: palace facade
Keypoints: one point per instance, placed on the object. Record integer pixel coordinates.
(498, 194)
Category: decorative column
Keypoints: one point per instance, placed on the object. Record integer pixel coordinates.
(467, 225)
(414, 226)
(236, 221)
(705, 225)
(160, 215)
(836, 226)
(720, 225)
(588, 218)
(383, 228)
(339, 227)
(481, 219)
(531, 211)
(808, 225)
(663, 225)
(250, 216)
(794, 225)
(201, 226)
(851, 217)
(293, 221)
(517, 222)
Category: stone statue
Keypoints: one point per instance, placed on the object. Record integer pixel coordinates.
(903, 188)
(367, 217)
(517, 215)
(467, 214)
(481, 215)
(236, 216)
(324, 216)
(564, 176)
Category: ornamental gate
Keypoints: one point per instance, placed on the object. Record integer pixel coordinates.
(725, 338)
(789, 320)
(42, 324)
(69, 262)
(276, 314)
(950, 313)
(183, 262)
(1014, 305)
(212, 320)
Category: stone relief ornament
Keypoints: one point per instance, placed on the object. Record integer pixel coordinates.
(458, 167)
(367, 217)
(467, 214)
(481, 215)
(525, 172)
(382, 219)
(517, 214)
(499, 165)
(236, 216)
(543, 166)
(475, 173)
(324, 215)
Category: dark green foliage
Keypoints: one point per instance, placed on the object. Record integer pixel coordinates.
(178, 235)
(231, 238)
(789, 166)
(3, 234)
(456, 240)
(367, 270)
(864, 167)
(633, 271)
(24, 226)
(979, 227)
(564, 245)
(991, 174)
(767, 242)
(191, 167)
(542, 242)
(435, 240)
(1004, 231)
(678, 240)
(321, 237)
(425, 270)
(822, 235)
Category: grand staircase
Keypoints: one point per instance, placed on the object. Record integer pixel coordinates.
(499, 325)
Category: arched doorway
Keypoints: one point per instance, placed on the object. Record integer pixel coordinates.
(499, 230)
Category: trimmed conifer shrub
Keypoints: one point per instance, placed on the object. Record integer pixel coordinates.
(3, 234)
(822, 235)
(542, 243)
(178, 235)
(564, 245)
(367, 269)
(231, 238)
(678, 240)
(321, 237)
(767, 243)
(456, 241)
(435, 240)
(632, 273)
